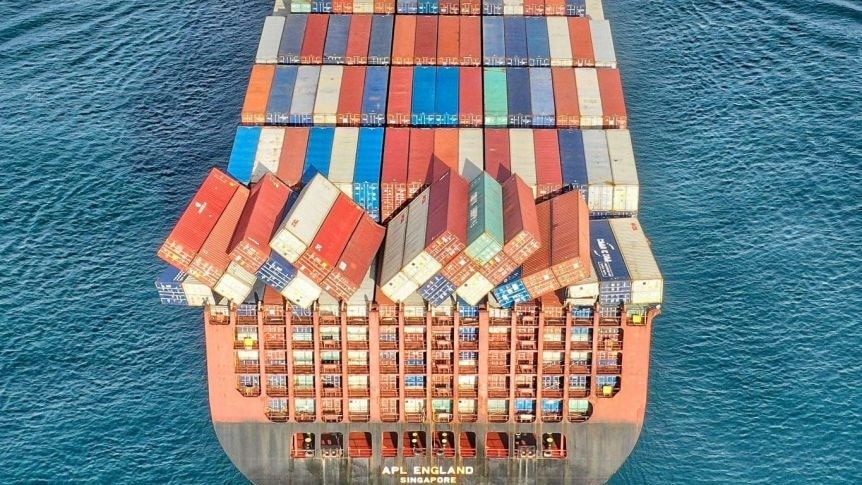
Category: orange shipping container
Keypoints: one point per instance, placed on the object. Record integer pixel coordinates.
(448, 51)
(250, 244)
(582, 42)
(419, 161)
(292, 160)
(358, 39)
(570, 238)
(425, 47)
(566, 97)
(404, 40)
(549, 175)
(257, 95)
(613, 102)
(350, 98)
(470, 41)
(470, 111)
(520, 222)
(213, 259)
(538, 276)
(445, 150)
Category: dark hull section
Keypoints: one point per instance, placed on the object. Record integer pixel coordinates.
(262, 452)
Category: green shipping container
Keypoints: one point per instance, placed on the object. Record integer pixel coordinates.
(496, 110)
(484, 219)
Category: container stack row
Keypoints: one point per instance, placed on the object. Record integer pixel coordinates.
(591, 8)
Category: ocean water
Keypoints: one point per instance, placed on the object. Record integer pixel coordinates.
(746, 120)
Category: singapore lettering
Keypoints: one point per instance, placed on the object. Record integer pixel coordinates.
(428, 474)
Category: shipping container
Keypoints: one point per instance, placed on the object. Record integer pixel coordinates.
(555, 7)
(304, 92)
(268, 153)
(498, 268)
(623, 171)
(351, 268)
(573, 160)
(493, 41)
(424, 96)
(374, 96)
(513, 7)
(542, 97)
(416, 263)
(290, 48)
(236, 283)
(615, 286)
(584, 292)
(470, 7)
(459, 270)
(558, 42)
(445, 151)
(306, 216)
(350, 98)
(538, 276)
(470, 97)
(470, 40)
(565, 98)
(425, 48)
(281, 95)
(366, 178)
(241, 163)
(538, 46)
(576, 8)
(299, 6)
(276, 272)
(213, 258)
(319, 154)
(358, 305)
(437, 290)
(404, 42)
(523, 156)
(178, 288)
(613, 102)
(495, 97)
(393, 177)
(293, 153)
(257, 94)
(407, 6)
(475, 289)
(448, 41)
(264, 210)
(580, 35)
(419, 159)
(549, 178)
(471, 155)
(589, 98)
(315, 38)
(343, 161)
(570, 243)
(534, 7)
(520, 220)
(399, 108)
(335, 49)
(301, 291)
(332, 238)
(326, 100)
(646, 278)
(515, 39)
(497, 155)
(484, 220)
(603, 44)
(358, 40)
(510, 294)
(270, 38)
(445, 112)
(393, 283)
(492, 7)
(380, 48)
(600, 193)
(447, 221)
(593, 9)
(519, 104)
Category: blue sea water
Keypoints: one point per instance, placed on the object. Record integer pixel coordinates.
(746, 120)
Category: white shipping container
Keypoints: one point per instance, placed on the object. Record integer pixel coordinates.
(363, 6)
(392, 280)
(513, 7)
(357, 305)
(197, 293)
(603, 43)
(589, 97)
(624, 171)
(301, 291)
(327, 305)
(600, 191)
(417, 263)
(268, 152)
(304, 92)
(414, 306)
(586, 290)
(445, 309)
(559, 43)
(328, 90)
(523, 155)
(474, 289)
(595, 9)
(300, 6)
(270, 39)
(305, 218)
(647, 281)
(343, 161)
(471, 152)
(235, 284)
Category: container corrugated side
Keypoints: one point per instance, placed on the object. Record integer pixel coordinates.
(331, 239)
(613, 101)
(270, 38)
(335, 48)
(589, 98)
(343, 162)
(647, 281)
(497, 155)
(624, 171)
(319, 154)
(404, 41)
(448, 37)
(570, 253)
(257, 94)
(495, 97)
(424, 96)
(236, 284)
(392, 280)
(425, 49)
(538, 46)
(305, 218)
(515, 35)
(360, 302)
(470, 42)
(615, 285)
(350, 97)
(523, 156)
(583, 53)
(326, 99)
(293, 153)
(549, 178)
(241, 163)
(594, 9)
(416, 262)
(292, 35)
(358, 40)
(374, 96)
(447, 221)
(558, 40)
(601, 188)
(198, 219)
(393, 177)
(519, 103)
(520, 220)
(603, 43)
(484, 220)
(419, 159)
(565, 98)
(380, 48)
(250, 244)
(470, 97)
(542, 97)
(315, 37)
(366, 177)
(447, 84)
(493, 41)
(281, 95)
(471, 155)
(573, 160)
(400, 106)
(268, 153)
(538, 276)
(304, 92)
(348, 273)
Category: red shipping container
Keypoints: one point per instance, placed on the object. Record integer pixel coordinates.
(419, 159)
(425, 49)
(570, 243)
(292, 160)
(350, 99)
(520, 222)
(199, 219)
(212, 260)
(555, 7)
(549, 170)
(448, 34)
(257, 94)
(358, 39)
(272, 298)
(384, 6)
(582, 42)
(404, 40)
(446, 235)
(471, 7)
(393, 177)
(613, 102)
(315, 38)
(538, 277)
(331, 239)
(534, 7)
(250, 244)
(445, 150)
(470, 40)
(566, 97)
(460, 269)
(399, 108)
(349, 272)
(498, 268)
(497, 155)
(342, 6)
(470, 108)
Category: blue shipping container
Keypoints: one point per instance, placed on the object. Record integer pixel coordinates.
(291, 39)
(447, 93)
(242, 156)
(437, 290)
(492, 7)
(374, 96)
(574, 160)
(366, 177)
(428, 7)
(538, 45)
(321, 6)
(304, 94)
(407, 6)
(319, 153)
(281, 95)
(576, 8)
(380, 45)
(424, 79)
(276, 272)
(615, 284)
(511, 293)
(517, 87)
(169, 285)
(335, 48)
(516, 41)
(466, 310)
(542, 97)
(493, 41)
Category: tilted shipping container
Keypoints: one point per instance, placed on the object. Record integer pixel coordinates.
(520, 220)
(392, 281)
(570, 243)
(213, 259)
(484, 220)
(348, 273)
(306, 216)
(331, 239)
(178, 288)
(241, 163)
(268, 154)
(343, 162)
(250, 244)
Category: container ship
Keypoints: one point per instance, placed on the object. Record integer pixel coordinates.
(423, 263)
